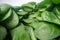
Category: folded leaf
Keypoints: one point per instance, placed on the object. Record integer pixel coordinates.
(5, 11)
(12, 21)
(7, 15)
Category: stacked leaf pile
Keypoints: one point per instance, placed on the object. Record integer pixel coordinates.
(31, 21)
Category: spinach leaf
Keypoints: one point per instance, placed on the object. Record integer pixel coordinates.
(31, 33)
(20, 33)
(3, 32)
(12, 21)
(50, 17)
(56, 1)
(29, 6)
(22, 13)
(5, 11)
(57, 12)
(47, 31)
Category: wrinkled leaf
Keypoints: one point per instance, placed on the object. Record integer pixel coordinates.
(50, 17)
(47, 31)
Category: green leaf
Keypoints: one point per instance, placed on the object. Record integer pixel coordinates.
(50, 17)
(5, 11)
(28, 20)
(33, 17)
(31, 33)
(0, 10)
(3, 32)
(20, 33)
(7, 15)
(47, 31)
(20, 17)
(48, 1)
(29, 6)
(22, 13)
(38, 14)
(43, 4)
(57, 12)
(53, 1)
(12, 21)
(50, 7)
(4, 8)
(56, 1)
(34, 24)
(34, 14)
(17, 8)
(27, 9)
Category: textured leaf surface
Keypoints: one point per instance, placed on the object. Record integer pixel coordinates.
(20, 33)
(12, 21)
(50, 17)
(47, 31)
